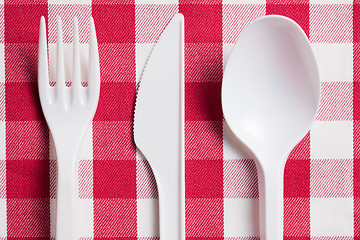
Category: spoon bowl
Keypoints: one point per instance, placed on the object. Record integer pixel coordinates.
(270, 97)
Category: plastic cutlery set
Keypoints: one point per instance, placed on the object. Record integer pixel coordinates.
(269, 108)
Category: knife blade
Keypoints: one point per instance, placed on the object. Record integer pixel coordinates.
(159, 125)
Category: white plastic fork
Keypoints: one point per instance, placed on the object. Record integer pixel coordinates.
(68, 112)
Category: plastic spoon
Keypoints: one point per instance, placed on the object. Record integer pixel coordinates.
(270, 96)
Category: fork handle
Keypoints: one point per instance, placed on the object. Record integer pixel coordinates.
(67, 180)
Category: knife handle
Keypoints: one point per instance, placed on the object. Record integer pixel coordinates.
(171, 202)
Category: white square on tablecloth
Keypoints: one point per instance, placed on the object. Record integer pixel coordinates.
(331, 178)
(240, 179)
(86, 216)
(157, 2)
(244, 2)
(143, 51)
(331, 1)
(331, 23)
(331, 217)
(3, 222)
(334, 61)
(148, 217)
(73, 2)
(331, 140)
(241, 217)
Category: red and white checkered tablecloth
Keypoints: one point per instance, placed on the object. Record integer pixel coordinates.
(118, 197)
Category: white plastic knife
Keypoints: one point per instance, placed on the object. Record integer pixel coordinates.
(159, 125)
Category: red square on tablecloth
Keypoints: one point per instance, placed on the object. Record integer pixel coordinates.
(117, 61)
(356, 60)
(20, 62)
(356, 22)
(237, 16)
(113, 140)
(115, 218)
(28, 217)
(298, 12)
(288, 1)
(356, 100)
(357, 215)
(204, 62)
(296, 238)
(22, 102)
(151, 20)
(113, 1)
(114, 179)
(297, 217)
(200, 2)
(203, 101)
(53, 176)
(27, 140)
(116, 101)
(27, 179)
(203, 140)
(204, 217)
(331, 23)
(22, 22)
(356, 181)
(115, 23)
(336, 103)
(240, 179)
(204, 178)
(203, 22)
(29, 2)
(297, 178)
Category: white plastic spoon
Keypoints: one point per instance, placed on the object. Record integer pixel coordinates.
(270, 96)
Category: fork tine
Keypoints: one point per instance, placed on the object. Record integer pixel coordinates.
(76, 82)
(94, 66)
(60, 71)
(43, 73)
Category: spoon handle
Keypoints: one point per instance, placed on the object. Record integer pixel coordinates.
(271, 202)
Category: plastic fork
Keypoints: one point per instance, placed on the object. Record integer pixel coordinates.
(68, 112)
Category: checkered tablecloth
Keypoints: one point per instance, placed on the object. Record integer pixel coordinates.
(117, 194)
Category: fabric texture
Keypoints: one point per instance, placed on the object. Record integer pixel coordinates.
(117, 191)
